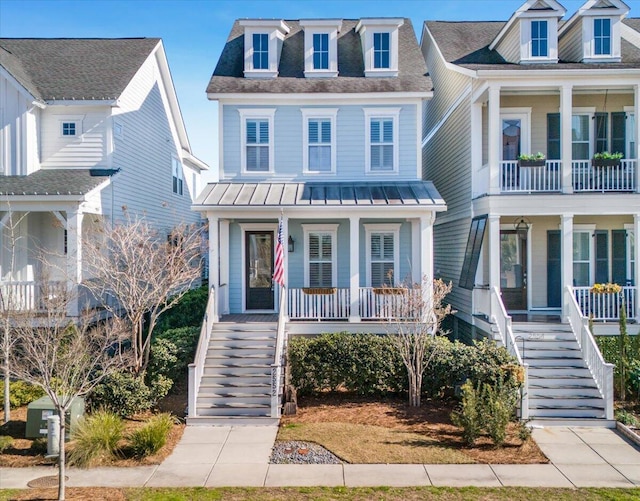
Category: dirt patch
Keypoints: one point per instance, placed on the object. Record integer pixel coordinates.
(75, 493)
(389, 431)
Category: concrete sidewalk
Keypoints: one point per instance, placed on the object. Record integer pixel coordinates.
(239, 456)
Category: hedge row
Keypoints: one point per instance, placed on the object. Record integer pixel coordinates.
(368, 364)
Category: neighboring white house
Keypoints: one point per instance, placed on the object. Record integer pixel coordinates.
(319, 121)
(536, 232)
(89, 129)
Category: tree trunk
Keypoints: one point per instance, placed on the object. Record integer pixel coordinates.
(62, 458)
(414, 389)
(7, 393)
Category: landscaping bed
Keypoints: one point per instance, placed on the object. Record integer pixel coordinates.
(386, 430)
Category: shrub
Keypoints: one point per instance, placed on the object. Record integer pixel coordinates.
(468, 417)
(126, 394)
(610, 347)
(188, 312)
(151, 437)
(163, 358)
(499, 405)
(185, 340)
(22, 393)
(6, 442)
(39, 446)
(627, 418)
(96, 438)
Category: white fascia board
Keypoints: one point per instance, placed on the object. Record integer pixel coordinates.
(448, 65)
(630, 35)
(82, 102)
(552, 75)
(261, 98)
(321, 23)
(41, 203)
(277, 24)
(320, 212)
(189, 158)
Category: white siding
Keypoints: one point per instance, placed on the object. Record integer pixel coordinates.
(509, 46)
(143, 151)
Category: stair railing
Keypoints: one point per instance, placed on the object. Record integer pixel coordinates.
(504, 324)
(278, 362)
(602, 371)
(196, 369)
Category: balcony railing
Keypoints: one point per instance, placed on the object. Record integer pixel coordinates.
(604, 307)
(620, 177)
(382, 303)
(30, 295)
(319, 303)
(515, 178)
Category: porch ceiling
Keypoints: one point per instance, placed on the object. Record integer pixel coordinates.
(382, 193)
(62, 182)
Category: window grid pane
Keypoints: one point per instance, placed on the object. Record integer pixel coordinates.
(320, 260)
(320, 51)
(582, 258)
(320, 145)
(258, 145)
(382, 259)
(381, 52)
(260, 51)
(69, 129)
(539, 39)
(602, 36)
(580, 136)
(381, 144)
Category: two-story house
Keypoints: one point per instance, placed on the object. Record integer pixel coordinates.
(531, 236)
(320, 127)
(90, 129)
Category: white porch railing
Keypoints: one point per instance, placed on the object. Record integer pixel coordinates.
(601, 371)
(546, 178)
(319, 303)
(380, 303)
(30, 295)
(620, 177)
(606, 306)
(503, 322)
(279, 359)
(197, 367)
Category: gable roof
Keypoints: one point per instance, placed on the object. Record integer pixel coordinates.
(57, 182)
(466, 44)
(74, 69)
(228, 76)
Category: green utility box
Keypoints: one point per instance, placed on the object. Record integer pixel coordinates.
(39, 410)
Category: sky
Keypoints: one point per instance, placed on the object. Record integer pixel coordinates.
(194, 33)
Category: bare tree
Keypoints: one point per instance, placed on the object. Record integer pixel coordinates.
(66, 358)
(415, 313)
(10, 299)
(137, 273)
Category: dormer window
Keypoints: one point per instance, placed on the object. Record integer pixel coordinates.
(321, 47)
(262, 46)
(539, 39)
(380, 46)
(602, 37)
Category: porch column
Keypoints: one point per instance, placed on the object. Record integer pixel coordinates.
(566, 265)
(636, 110)
(416, 252)
(636, 257)
(566, 112)
(74, 260)
(354, 268)
(285, 261)
(214, 261)
(494, 251)
(224, 264)
(494, 139)
(426, 263)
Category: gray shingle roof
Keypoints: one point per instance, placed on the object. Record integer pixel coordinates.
(228, 76)
(467, 44)
(71, 68)
(54, 182)
(383, 193)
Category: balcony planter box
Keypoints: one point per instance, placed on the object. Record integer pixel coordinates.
(319, 290)
(605, 162)
(538, 162)
(390, 291)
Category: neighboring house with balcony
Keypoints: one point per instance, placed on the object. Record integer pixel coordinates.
(526, 238)
(89, 129)
(320, 127)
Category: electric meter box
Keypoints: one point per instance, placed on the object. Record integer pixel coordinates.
(39, 410)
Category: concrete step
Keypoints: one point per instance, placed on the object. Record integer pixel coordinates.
(216, 356)
(558, 362)
(235, 400)
(236, 379)
(559, 346)
(565, 402)
(230, 369)
(563, 390)
(232, 421)
(542, 422)
(236, 411)
(270, 328)
(557, 372)
(568, 413)
(242, 344)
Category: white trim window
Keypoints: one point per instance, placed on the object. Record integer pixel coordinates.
(381, 154)
(320, 255)
(582, 133)
(70, 126)
(379, 40)
(257, 155)
(583, 256)
(321, 51)
(382, 50)
(540, 38)
(319, 141)
(383, 249)
(260, 55)
(321, 47)
(602, 37)
(177, 176)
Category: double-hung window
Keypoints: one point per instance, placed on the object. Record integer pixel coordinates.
(539, 39)
(257, 153)
(582, 242)
(382, 254)
(320, 255)
(319, 129)
(581, 136)
(381, 126)
(260, 51)
(381, 50)
(602, 37)
(178, 176)
(320, 51)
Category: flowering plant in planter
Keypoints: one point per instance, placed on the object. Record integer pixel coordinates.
(606, 159)
(606, 289)
(534, 160)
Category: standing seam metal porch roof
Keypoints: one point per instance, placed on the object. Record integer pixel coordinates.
(356, 194)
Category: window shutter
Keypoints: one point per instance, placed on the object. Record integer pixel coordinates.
(619, 257)
(388, 131)
(326, 132)
(618, 132)
(602, 256)
(252, 131)
(313, 131)
(264, 131)
(388, 246)
(375, 131)
(602, 132)
(553, 136)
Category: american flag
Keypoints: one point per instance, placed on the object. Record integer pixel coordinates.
(278, 267)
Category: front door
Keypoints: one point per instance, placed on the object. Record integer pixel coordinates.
(513, 269)
(259, 270)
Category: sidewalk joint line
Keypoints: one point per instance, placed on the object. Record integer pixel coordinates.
(495, 474)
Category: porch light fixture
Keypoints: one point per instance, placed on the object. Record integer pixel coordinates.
(290, 244)
(522, 227)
